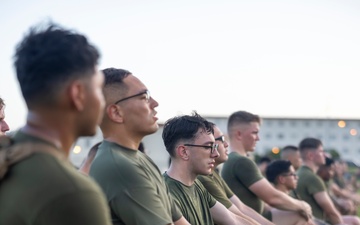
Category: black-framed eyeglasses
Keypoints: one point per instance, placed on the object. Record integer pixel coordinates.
(211, 147)
(290, 174)
(221, 138)
(146, 93)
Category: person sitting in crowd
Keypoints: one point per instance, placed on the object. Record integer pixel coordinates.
(246, 181)
(326, 173)
(218, 188)
(291, 153)
(190, 142)
(311, 187)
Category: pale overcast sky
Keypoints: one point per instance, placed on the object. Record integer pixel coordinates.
(274, 58)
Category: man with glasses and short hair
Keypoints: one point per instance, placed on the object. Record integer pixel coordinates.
(135, 189)
(218, 188)
(191, 145)
(282, 175)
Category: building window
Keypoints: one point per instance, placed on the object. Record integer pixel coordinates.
(280, 136)
(293, 123)
(268, 135)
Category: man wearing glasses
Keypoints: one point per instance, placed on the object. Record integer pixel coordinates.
(218, 188)
(282, 175)
(135, 189)
(192, 148)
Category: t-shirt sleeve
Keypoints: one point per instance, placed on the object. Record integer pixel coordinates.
(247, 171)
(175, 211)
(140, 204)
(227, 190)
(215, 191)
(209, 198)
(317, 185)
(85, 207)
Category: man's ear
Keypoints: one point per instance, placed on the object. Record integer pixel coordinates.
(182, 152)
(77, 94)
(280, 179)
(115, 113)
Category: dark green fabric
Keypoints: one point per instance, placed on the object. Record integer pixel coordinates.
(43, 190)
(217, 187)
(240, 172)
(133, 185)
(309, 184)
(194, 201)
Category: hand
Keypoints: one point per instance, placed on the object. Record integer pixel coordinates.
(305, 210)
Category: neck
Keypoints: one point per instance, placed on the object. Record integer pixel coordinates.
(282, 188)
(237, 147)
(178, 173)
(50, 130)
(311, 165)
(122, 137)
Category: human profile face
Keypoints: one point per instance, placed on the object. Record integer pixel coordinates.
(250, 135)
(201, 160)
(94, 104)
(319, 156)
(139, 114)
(291, 179)
(3, 125)
(223, 146)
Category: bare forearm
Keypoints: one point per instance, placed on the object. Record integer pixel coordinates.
(256, 216)
(249, 211)
(239, 213)
(285, 202)
(334, 218)
(246, 220)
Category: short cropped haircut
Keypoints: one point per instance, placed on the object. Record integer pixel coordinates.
(276, 168)
(184, 128)
(309, 143)
(288, 149)
(265, 159)
(114, 76)
(48, 58)
(241, 117)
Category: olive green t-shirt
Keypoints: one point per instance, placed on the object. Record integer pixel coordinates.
(239, 173)
(309, 184)
(194, 201)
(43, 190)
(134, 186)
(217, 187)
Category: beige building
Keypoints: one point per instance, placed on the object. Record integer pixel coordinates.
(342, 135)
